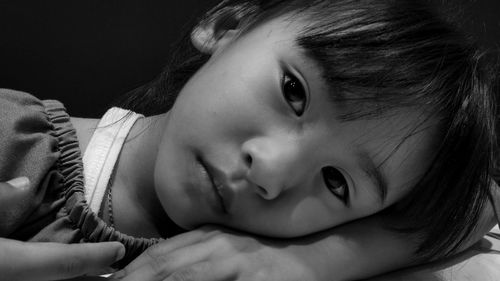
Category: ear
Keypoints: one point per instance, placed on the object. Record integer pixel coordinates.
(218, 30)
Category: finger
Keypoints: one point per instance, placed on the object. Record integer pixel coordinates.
(205, 271)
(161, 266)
(54, 261)
(168, 246)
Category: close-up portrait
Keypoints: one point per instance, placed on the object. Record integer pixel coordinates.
(250, 140)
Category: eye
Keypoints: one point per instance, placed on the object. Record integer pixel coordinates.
(294, 93)
(336, 183)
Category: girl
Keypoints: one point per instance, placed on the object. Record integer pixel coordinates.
(292, 118)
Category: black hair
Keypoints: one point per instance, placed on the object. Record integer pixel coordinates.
(379, 55)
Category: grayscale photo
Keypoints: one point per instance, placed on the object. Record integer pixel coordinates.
(250, 140)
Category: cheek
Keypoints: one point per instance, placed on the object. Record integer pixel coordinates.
(169, 165)
(408, 165)
(196, 112)
(161, 177)
(290, 219)
(169, 192)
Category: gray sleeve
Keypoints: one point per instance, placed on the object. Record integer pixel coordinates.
(27, 148)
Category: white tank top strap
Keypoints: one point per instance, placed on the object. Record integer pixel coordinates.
(102, 152)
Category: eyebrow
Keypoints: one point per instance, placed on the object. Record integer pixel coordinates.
(374, 173)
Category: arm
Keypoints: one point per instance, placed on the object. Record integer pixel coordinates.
(480, 262)
(49, 261)
(357, 250)
(360, 249)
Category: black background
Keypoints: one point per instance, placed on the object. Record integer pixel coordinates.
(86, 53)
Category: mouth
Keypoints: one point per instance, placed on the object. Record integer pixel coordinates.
(217, 186)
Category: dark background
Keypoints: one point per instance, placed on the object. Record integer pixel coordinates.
(86, 53)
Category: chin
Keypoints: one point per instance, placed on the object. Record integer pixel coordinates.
(275, 231)
(184, 218)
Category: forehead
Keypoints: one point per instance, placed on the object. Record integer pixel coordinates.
(282, 27)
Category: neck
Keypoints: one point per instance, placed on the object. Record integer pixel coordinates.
(135, 205)
(136, 209)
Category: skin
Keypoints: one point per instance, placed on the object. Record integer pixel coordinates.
(50, 261)
(265, 152)
(480, 262)
(201, 125)
(233, 129)
(221, 254)
(53, 261)
(207, 253)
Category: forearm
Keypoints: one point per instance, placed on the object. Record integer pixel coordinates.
(357, 250)
(477, 260)
(366, 248)
(480, 262)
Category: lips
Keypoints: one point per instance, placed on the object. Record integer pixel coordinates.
(219, 188)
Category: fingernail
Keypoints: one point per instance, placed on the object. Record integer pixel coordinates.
(121, 254)
(21, 182)
(118, 275)
(105, 271)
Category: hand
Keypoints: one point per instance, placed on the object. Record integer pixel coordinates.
(210, 254)
(352, 251)
(50, 261)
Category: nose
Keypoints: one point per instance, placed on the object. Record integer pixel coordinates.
(273, 164)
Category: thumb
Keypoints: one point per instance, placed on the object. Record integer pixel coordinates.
(55, 261)
(92, 258)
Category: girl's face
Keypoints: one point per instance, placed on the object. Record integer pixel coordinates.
(253, 142)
